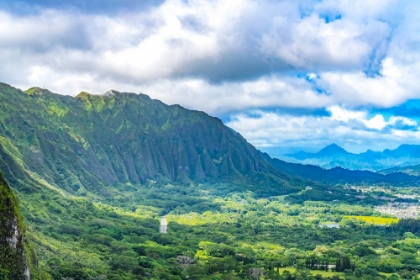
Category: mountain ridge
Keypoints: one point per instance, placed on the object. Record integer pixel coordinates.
(413, 170)
(339, 175)
(334, 156)
(88, 143)
(95, 173)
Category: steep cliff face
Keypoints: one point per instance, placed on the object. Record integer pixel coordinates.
(13, 263)
(90, 142)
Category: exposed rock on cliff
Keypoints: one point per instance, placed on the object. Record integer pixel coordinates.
(13, 263)
(86, 144)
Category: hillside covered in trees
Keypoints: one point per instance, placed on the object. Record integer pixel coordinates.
(94, 174)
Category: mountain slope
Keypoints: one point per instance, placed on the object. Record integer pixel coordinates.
(94, 145)
(13, 263)
(335, 156)
(94, 164)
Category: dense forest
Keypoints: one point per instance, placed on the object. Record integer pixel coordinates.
(237, 236)
(93, 175)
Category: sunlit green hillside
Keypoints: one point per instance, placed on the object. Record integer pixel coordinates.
(94, 175)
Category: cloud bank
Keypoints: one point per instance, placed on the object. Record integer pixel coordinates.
(262, 66)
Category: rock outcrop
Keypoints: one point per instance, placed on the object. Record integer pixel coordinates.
(13, 263)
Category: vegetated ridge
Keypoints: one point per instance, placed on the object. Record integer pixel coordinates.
(97, 144)
(413, 170)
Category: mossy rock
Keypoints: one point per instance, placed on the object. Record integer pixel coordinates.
(13, 263)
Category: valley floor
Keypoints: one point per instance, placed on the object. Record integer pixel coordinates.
(214, 236)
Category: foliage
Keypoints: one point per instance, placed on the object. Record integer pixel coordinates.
(104, 147)
(13, 261)
(93, 175)
(382, 221)
(238, 236)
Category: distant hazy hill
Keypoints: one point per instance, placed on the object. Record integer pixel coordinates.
(413, 170)
(339, 175)
(93, 144)
(335, 156)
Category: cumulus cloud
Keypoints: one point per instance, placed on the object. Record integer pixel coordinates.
(224, 57)
(354, 130)
(214, 41)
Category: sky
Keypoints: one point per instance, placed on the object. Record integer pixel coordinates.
(287, 74)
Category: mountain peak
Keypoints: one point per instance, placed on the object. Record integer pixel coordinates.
(36, 91)
(332, 149)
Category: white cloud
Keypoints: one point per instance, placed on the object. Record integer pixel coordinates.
(224, 57)
(341, 114)
(351, 129)
(395, 86)
(377, 122)
(234, 42)
(312, 43)
(405, 121)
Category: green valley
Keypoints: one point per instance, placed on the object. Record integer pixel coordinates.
(236, 236)
(93, 175)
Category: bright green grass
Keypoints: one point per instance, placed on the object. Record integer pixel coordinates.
(374, 220)
(313, 272)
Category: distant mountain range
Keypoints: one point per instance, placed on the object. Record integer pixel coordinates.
(339, 175)
(335, 156)
(413, 170)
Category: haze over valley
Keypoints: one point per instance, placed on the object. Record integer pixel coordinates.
(405, 156)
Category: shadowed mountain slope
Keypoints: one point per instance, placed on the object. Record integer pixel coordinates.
(92, 144)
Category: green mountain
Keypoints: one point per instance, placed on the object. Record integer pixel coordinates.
(334, 156)
(94, 174)
(13, 259)
(339, 175)
(99, 146)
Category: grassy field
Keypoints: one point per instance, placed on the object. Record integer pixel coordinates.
(313, 272)
(374, 220)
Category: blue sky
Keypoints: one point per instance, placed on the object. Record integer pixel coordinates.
(286, 74)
